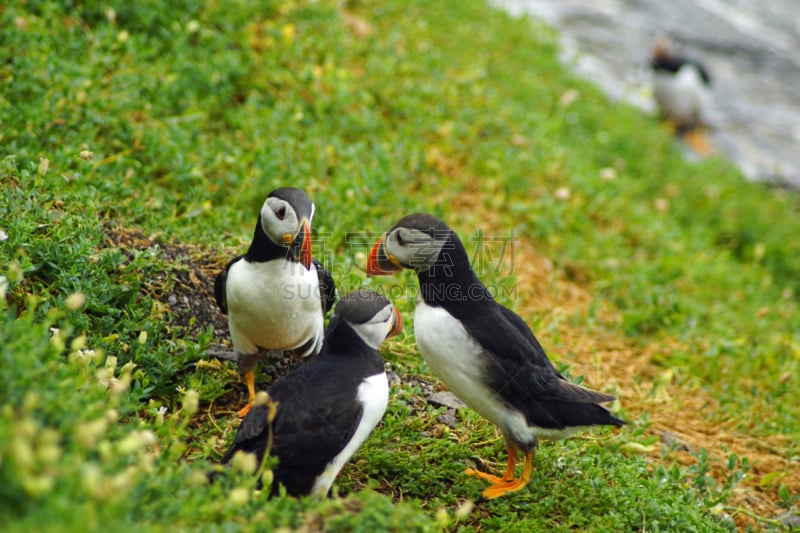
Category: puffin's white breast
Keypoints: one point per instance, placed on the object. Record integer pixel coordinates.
(273, 305)
(683, 95)
(460, 362)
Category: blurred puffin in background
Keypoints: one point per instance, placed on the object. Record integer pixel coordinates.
(682, 91)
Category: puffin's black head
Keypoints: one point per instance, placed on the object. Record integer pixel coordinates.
(415, 242)
(664, 60)
(370, 315)
(286, 220)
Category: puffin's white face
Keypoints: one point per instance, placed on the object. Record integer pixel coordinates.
(412, 248)
(385, 323)
(280, 221)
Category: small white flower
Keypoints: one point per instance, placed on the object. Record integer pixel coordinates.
(75, 301)
(261, 398)
(239, 496)
(88, 434)
(608, 173)
(135, 441)
(562, 193)
(244, 462)
(91, 478)
(191, 402)
(568, 98)
(44, 164)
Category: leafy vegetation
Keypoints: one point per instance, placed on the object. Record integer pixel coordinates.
(175, 120)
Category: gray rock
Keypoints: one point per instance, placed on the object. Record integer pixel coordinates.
(790, 518)
(445, 399)
(674, 442)
(448, 418)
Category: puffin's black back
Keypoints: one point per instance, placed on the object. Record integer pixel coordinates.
(317, 415)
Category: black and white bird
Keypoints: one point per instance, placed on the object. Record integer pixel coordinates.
(275, 295)
(482, 351)
(327, 407)
(681, 87)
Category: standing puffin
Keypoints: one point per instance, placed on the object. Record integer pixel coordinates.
(681, 87)
(327, 407)
(485, 354)
(275, 295)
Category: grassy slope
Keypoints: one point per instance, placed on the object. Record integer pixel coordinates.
(192, 114)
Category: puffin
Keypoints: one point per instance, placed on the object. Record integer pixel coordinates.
(327, 407)
(275, 295)
(682, 90)
(482, 351)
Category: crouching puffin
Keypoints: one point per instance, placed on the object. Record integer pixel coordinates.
(275, 295)
(682, 90)
(483, 352)
(327, 407)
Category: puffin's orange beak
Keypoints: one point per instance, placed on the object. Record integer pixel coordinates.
(378, 262)
(305, 247)
(397, 327)
(300, 247)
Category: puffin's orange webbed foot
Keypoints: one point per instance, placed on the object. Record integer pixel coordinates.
(483, 475)
(250, 380)
(506, 484)
(244, 410)
(508, 475)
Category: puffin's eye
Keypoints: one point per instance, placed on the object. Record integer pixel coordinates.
(281, 212)
(400, 240)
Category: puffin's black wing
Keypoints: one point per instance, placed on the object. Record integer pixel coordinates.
(519, 370)
(220, 294)
(525, 331)
(315, 421)
(327, 288)
(252, 434)
(704, 75)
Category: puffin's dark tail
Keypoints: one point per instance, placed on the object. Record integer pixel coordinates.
(589, 414)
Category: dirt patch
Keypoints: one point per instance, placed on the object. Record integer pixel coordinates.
(190, 298)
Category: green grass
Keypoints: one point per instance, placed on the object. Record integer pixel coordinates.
(177, 120)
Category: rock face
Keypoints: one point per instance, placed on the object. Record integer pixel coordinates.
(750, 51)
